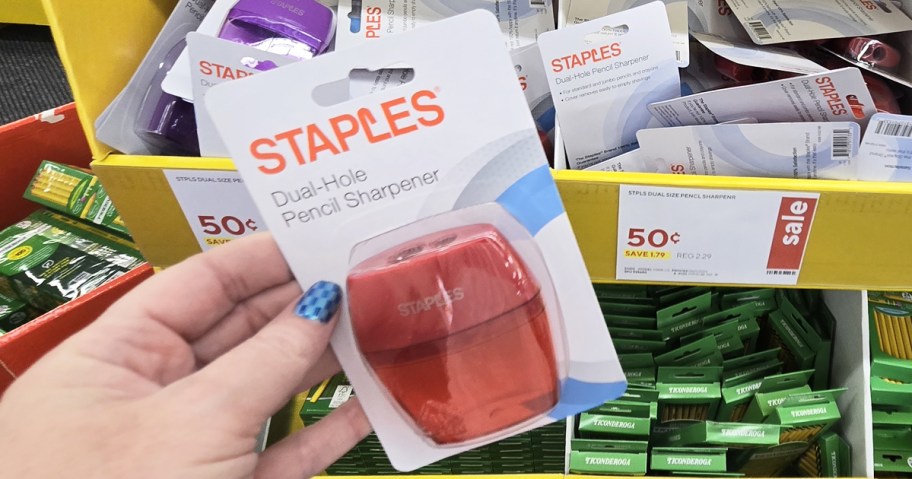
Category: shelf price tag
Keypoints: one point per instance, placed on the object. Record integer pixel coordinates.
(215, 204)
(712, 236)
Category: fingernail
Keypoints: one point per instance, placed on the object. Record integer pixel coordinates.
(320, 302)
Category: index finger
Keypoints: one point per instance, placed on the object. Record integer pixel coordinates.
(192, 296)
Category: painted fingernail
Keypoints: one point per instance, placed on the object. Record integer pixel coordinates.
(320, 302)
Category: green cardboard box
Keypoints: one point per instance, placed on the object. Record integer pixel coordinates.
(751, 366)
(768, 461)
(806, 416)
(883, 364)
(608, 457)
(688, 459)
(683, 318)
(688, 393)
(829, 456)
(727, 336)
(728, 434)
(887, 392)
(703, 352)
(756, 399)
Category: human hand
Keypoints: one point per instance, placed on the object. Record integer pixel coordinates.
(177, 378)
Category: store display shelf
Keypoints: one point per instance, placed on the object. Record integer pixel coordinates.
(29, 12)
(858, 239)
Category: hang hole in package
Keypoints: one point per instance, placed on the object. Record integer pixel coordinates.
(468, 314)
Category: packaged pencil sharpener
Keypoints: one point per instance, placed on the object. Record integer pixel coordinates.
(453, 324)
(295, 28)
(467, 315)
(166, 121)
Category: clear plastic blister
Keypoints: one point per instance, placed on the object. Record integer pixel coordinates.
(456, 318)
(165, 121)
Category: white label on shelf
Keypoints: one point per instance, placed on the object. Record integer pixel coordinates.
(340, 396)
(216, 205)
(712, 236)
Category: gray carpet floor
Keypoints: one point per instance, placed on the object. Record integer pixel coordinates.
(31, 76)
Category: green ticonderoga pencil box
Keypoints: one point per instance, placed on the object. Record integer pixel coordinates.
(641, 394)
(804, 417)
(727, 336)
(626, 309)
(621, 292)
(811, 350)
(617, 420)
(768, 461)
(752, 366)
(626, 458)
(728, 434)
(888, 460)
(828, 456)
(889, 392)
(684, 317)
(703, 352)
(746, 316)
(639, 369)
(633, 322)
(890, 342)
(756, 399)
(762, 299)
(688, 393)
(795, 353)
(74, 192)
(891, 416)
(14, 313)
(686, 459)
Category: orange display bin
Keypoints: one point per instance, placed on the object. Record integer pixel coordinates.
(53, 135)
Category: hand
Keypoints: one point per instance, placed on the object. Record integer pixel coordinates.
(176, 379)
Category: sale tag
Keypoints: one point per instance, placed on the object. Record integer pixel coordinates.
(712, 236)
(216, 205)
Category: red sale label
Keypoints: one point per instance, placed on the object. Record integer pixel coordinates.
(793, 226)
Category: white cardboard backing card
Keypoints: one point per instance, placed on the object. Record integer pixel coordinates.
(715, 18)
(534, 83)
(328, 171)
(886, 149)
(362, 21)
(837, 95)
(770, 21)
(586, 10)
(768, 150)
(771, 58)
(603, 74)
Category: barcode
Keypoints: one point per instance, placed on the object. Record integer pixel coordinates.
(894, 128)
(759, 30)
(842, 144)
(678, 55)
(781, 272)
(537, 3)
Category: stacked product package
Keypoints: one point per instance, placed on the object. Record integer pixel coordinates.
(723, 381)
(537, 451)
(51, 257)
(674, 87)
(890, 316)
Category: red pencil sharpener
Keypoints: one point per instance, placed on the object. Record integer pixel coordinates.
(454, 327)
